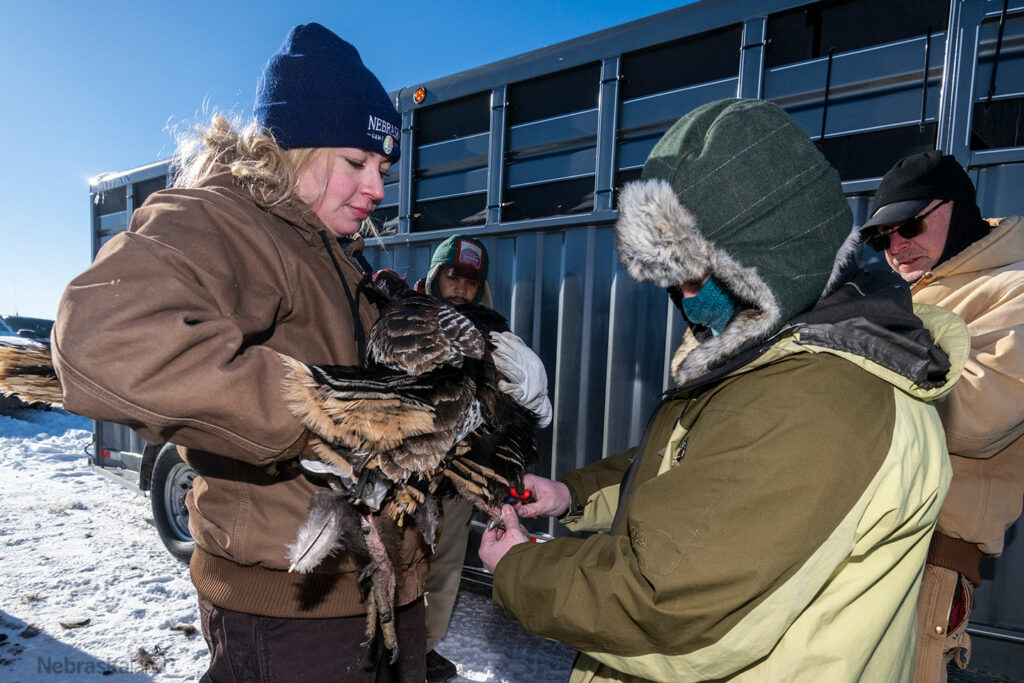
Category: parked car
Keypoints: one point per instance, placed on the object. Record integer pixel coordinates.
(36, 329)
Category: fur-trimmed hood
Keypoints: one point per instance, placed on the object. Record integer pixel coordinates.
(736, 190)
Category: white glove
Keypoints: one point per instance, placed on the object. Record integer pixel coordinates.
(527, 380)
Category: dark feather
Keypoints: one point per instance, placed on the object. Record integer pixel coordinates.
(418, 333)
(424, 420)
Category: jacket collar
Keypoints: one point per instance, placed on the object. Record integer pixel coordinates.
(305, 221)
(869, 320)
(1002, 246)
(295, 212)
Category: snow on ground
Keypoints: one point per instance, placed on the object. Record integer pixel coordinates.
(87, 590)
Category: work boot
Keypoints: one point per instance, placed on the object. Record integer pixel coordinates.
(439, 669)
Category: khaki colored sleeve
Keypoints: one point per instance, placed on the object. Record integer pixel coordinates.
(598, 475)
(985, 411)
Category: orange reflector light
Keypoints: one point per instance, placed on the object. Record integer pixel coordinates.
(419, 95)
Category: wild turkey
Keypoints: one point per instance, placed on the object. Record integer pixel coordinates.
(26, 371)
(423, 421)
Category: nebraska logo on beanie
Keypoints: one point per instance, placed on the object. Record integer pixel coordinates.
(316, 92)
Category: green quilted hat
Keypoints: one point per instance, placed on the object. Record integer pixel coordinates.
(736, 189)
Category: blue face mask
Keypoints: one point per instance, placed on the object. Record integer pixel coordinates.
(713, 306)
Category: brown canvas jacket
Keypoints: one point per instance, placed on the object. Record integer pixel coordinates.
(175, 330)
(984, 416)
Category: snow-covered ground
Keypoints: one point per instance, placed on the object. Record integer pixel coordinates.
(87, 589)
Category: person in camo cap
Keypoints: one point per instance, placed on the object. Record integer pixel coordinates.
(458, 272)
(772, 523)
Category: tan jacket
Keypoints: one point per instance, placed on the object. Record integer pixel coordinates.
(984, 416)
(174, 331)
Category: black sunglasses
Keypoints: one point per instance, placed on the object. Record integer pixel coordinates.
(912, 228)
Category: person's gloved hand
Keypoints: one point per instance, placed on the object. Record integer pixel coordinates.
(527, 382)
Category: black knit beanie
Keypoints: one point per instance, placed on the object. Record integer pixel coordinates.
(916, 181)
(316, 92)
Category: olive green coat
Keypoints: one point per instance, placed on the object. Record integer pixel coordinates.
(774, 527)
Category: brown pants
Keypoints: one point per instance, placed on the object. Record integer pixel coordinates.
(937, 644)
(445, 573)
(248, 647)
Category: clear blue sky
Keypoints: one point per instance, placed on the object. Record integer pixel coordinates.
(91, 87)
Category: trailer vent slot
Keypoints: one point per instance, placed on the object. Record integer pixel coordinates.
(549, 199)
(811, 31)
(455, 119)
(870, 155)
(451, 212)
(561, 93)
(999, 124)
(696, 59)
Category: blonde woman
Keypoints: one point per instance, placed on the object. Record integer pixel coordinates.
(175, 330)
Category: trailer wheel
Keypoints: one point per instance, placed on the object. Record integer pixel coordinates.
(172, 480)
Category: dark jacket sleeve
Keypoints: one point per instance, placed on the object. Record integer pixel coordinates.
(162, 334)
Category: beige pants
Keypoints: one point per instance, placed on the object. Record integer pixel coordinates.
(445, 573)
(936, 647)
(587, 670)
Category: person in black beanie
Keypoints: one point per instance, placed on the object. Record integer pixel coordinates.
(178, 328)
(927, 222)
(914, 186)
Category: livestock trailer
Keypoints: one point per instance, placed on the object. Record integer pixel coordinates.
(527, 154)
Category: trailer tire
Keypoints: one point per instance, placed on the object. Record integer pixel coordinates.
(172, 480)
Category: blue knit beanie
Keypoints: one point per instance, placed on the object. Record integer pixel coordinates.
(315, 92)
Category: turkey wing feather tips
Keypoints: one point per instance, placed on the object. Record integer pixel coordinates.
(354, 380)
(466, 339)
(377, 422)
(485, 319)
(28, 372)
